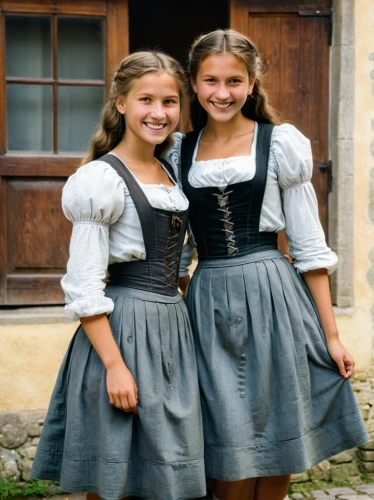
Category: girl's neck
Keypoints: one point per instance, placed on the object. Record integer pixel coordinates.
(237, 126)
(137, 152)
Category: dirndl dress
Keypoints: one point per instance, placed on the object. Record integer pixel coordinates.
(273, 401)
(87, 444)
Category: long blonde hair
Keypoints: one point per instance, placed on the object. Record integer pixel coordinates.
(112, 123)
(257, 106)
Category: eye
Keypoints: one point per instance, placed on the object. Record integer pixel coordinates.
(235, 80)
(170, 101)
(145, 99)
(210, 80)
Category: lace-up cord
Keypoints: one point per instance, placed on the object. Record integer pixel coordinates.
(228, 226)
(171, 249)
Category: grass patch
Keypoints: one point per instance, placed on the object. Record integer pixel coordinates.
(33, 488)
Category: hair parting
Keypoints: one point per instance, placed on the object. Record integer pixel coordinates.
(112, 124)
(257, 106)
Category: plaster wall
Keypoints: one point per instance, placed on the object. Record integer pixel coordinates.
(30, 354)
(357, 328)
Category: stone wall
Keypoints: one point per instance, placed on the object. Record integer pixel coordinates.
(20, 432)
(19, 437)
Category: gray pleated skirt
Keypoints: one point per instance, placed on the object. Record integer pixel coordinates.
(272, 398)
(89, 445)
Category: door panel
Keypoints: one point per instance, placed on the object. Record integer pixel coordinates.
(295, 51)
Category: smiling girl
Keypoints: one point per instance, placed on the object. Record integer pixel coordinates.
(124, 418)
(274, 376)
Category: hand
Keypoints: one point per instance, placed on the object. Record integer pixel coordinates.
(290, 259)
(121, 387)
(341, 357)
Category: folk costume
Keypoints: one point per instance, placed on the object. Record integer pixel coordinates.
(88, 444)
(273, 400)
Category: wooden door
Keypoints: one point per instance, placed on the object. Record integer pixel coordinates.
(293, 40)
(34, 232)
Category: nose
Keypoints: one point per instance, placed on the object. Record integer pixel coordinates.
(158, 111)
(222, 92)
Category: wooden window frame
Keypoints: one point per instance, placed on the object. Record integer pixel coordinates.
(116, 28)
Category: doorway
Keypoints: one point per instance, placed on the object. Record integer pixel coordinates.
(172, 25)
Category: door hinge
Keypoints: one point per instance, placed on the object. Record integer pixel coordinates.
(319, 13)
(326, 167)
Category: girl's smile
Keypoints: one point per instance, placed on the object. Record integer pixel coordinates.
(222, 85)
(151, 108)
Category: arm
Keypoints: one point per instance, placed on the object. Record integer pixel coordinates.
(85, 204)
(121, 387)
(291, 156)
(318, 285)
(186, 261)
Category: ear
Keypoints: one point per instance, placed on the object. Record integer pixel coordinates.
(251, 85)
(120, 104)
(193, 85)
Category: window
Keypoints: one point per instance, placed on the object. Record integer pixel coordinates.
(59, 56)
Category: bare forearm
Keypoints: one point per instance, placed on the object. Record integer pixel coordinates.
(318, 285)
(98, 331)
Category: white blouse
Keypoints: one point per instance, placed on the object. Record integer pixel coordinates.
(106, 229)
(289, 201)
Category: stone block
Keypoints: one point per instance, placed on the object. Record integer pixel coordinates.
(342, 472)
(30, 451)
(366, 455)
(344, 33)
(343, 458)
(35, 420)
(9, 470)
(318, 494)
(320, 471)
(12, 430)
(297, 496)
(366, 488)
(26, 464)
(367, 466)
(9, 464)
(34, 429)
(354, 497)
(367, 446)
(302, 477)
(341, 491)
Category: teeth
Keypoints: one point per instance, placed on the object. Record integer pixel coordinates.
(222, 106)
(155, 126)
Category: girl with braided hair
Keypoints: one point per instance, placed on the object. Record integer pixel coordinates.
(274, 376)
(124, 419)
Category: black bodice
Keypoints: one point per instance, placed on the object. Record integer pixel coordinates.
(163, 234)
(225, 222)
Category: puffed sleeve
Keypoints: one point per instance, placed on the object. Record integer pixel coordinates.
(92, 199)
(173, 155)
(291, 153)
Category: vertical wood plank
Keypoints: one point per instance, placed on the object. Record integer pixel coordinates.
(3, 241)
(3, 127)
(295, 53)
(238, 15)
(270, 28)
(117, 36)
